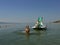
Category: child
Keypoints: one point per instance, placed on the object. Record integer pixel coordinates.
(27, 29)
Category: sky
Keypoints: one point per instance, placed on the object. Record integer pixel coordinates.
(29, 10)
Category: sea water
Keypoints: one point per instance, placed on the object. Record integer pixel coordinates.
(13, 34)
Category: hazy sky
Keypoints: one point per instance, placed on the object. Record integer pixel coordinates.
(29, 10)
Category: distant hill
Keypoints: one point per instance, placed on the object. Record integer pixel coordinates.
(7, 23)
(58, 21)
(3, 22)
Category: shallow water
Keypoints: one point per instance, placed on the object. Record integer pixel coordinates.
(13, 34)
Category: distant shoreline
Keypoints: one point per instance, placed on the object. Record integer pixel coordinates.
(57, 21)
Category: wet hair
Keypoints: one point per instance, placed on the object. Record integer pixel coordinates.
(27, 26)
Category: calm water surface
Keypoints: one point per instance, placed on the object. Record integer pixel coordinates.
(13, 34)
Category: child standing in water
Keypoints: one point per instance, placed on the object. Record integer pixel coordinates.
(27, 29)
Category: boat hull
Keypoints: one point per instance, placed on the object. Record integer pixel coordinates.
(44, 28)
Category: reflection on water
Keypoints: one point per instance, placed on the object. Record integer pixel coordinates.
(27, 35)
(14, 34)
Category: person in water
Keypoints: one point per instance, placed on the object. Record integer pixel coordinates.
(27, 29)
